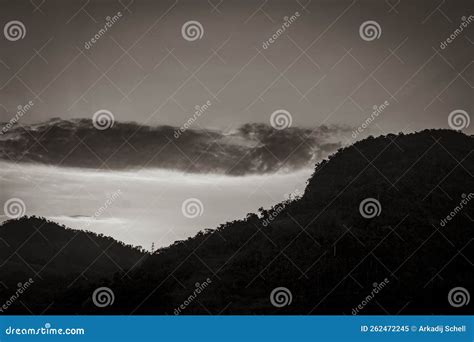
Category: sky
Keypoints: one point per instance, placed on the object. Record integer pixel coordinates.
(145, 206)
(314, 84)
(320, 69)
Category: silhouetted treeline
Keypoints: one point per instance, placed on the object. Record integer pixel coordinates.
(318, 246)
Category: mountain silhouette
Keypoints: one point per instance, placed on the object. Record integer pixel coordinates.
(56, 258)
(370, 235)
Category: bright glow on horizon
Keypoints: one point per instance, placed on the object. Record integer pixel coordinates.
(148, 208)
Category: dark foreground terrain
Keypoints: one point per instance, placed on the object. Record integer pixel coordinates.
(327, 251)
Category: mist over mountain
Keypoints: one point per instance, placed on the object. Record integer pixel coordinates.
(325, 247)
(249, 149)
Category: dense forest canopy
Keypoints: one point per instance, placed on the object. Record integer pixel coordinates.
(319, 246)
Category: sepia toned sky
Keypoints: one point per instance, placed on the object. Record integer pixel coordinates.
(320, 69)
(323, 72)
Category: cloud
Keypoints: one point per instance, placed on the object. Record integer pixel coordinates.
(84, 219)
(250, 149)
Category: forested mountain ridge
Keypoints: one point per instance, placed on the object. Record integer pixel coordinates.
(327, 248)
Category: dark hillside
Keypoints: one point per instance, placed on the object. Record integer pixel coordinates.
(323, 247)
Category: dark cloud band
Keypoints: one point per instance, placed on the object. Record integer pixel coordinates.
(250, 149)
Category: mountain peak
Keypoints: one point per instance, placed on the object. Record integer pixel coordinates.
(327, 248)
